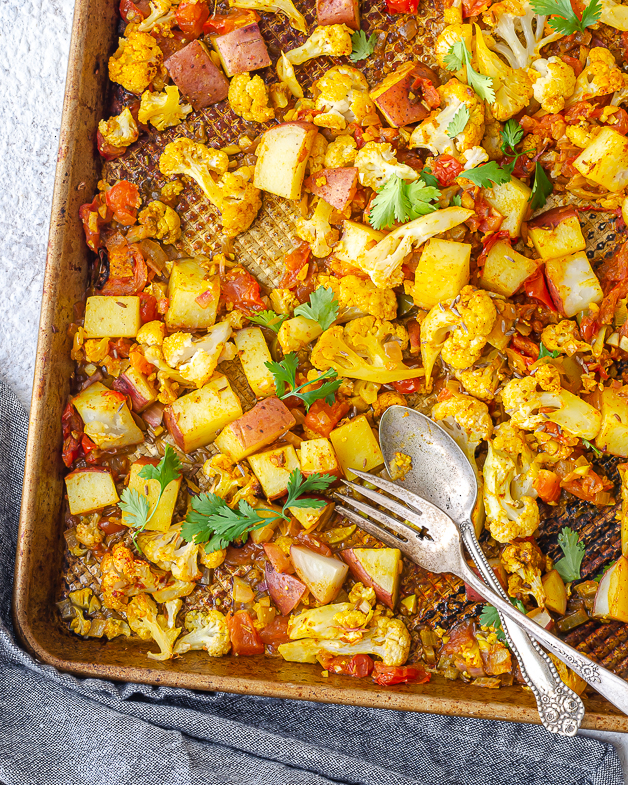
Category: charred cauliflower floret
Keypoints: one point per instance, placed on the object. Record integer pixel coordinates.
(332, 40)
(513, 87)
(387, 399)
(341, 152)
(553, 81)
(601, 76)
(141, 613)
(524, 561)
(136, 62)
(457, 329)
(342, 97)
(564, 337)
(376, 163)
(509, 495)
(161, 222)
(206, 630)
(248, 97)
(162, 110)
(120, 130)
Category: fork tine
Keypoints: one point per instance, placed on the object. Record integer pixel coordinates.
(379, 515)
(390, 504)
(409, 497)
(370, 527)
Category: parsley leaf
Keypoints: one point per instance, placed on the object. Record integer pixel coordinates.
(285, 373)
(592, 447)
(270, 319)
(459, 56)
(541, 189)
(322, 307)
(563, 19)
(569, 566)
(486, 174)
(398, 200)
(212, 522)
(363, 47)
(459, 123)
(428, 178)
(545, 352)
(512, 134)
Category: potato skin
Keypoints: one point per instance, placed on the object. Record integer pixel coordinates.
(392, 96)
(336, 186)
(258, 428)
(338, 12)
(197, 77)
(242, 50)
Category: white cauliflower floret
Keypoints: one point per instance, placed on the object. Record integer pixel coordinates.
(208, 630)
(161, 15)
(553, 81)
(482, 381)
(286, 75)
(521, 31)
(341, 152)
(509, 495)
(162, 110)
(513, 87)
(120, 130)
(332, 40)
(196, 358)
(326, 623)
(474, 156)
(317, 230)
(141, 613)
(342, 95)
(601, 76)
(376, 163)
(151, 333)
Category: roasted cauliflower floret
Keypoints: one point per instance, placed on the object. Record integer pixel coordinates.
(226, 475)
(342, 97)
(509, 495)
(482, 382)
(316, 161)
(367, 348)
(376, 163)
(88, 533)
(553, 81)
(600, 77)
(286, 75)
(161, 15)
(432, 132)
(512, 87)
(208, 630)
(151, 333)
(162, 110)
(341, 152)
(360, 297)
(317, 230)
(136, 61)
(169, 551)
(337, 621)
(564, 337)
(121, 574)
(457, 329)
(332, 40)
(387, 399)
(248, 97)
(451, 35)
(524, 560)
(521, 32)
(196, 358)
(141, 613)
(469, 413)
(161, 222)
(120, 130)
(363, 597)
(614, 15)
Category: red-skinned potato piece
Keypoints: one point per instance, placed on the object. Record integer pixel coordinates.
(137, 387)
(285, 590)
(170, 44)
(336, 186)
(541, 617)
(278, 559)
(378, 568)
(323, 575)
(242, 50)
(193, 71)
(260, 426)
(338, 12)
(500, 574)
(393, 95)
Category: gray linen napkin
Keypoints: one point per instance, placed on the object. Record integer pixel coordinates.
(59, 730)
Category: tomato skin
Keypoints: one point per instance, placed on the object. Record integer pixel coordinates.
(360, 665)
(294, 262)
(131, 12)
(128, 262)
(124, 200)
(547, 485)
(402, 6)
(313, 543)
(619, 121)
(474, 7)
(323, 418)
(446, 169)
(109, 526)
(240, 290)
(407, 386)
(245, 640)
(536, 288)
(72, 426)
(225, 23)
(108, 151)
(525, 346)
(191, 18)
(276, 632)
(94, 215)
(399, 674)
(148, 307)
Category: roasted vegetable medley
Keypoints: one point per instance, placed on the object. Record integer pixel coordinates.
(438, 261)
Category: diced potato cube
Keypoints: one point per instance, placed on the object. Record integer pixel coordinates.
(112, 317)
(309, 517)
(392, 96)
(511, 200)
(505, 269)
(187, 283)
(162, 517)
(573, 284)
(90, 489)
(561, 240)
(194, 419)
(442, 271)
(254, 353)
(317, 455)
(272, 469)
(282, 157)
(296, 333)
(613, 435)
(356, 446)
(108, 421)
(605, 160)
(134, 384)
(258, 428)
(356, 240)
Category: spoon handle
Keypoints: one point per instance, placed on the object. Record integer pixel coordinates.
(560, 709)
(612, 687)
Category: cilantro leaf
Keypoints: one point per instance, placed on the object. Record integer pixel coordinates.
(490, 618)
(270, 319)
(285, 373)
(428, 178)
(363, 47)
(167, 470)
(135, 506)
(322, 307)
(541, 189)
(459, 123)
(298, 485)
(459, 56)
(592, 447)
(457, 200)
(512, 134)
(545, 352)
(486, 174)
(398, 200)
(563, 19)
(420, 196)
(569, 566)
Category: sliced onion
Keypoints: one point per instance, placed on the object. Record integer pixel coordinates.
(154, 414)
(323, 575)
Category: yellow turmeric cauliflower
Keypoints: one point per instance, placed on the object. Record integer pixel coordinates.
(332, 40)
(141, 613)
(482, 382)
(162, 110)
(341, 152)
(553, 81)
(451, 35)
(601, 76)
(160, 222)
(513, 87)
(120, 130)
(342, 97)
(207, 630)
(360, 297)
(564, 337)
(387, 399)
(317, 231)
(470, 414)
(524, 561)
(376, 163)
(248, 97)
(135, 63)
(316, 161)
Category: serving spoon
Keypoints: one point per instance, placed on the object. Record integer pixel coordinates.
(442, 474)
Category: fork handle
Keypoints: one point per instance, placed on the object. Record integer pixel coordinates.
(612, 687)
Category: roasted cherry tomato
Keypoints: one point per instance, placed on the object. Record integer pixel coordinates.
(240, 290)
(402, 6)
(399, 674)
(245, 639)
(547, 485)
(446, 169)
(94, 216)
(360, 665)
(536, 288)
(124, 200)
(407, 386)
(276, 632)
(148, 307)
(191, 17)
(294, 262)
(323, 418)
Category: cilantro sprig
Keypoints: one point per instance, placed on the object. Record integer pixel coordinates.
(322, 307)
(135, 505)
(569, 566)
(459, 122)
(363, 47)
(487, 174)
(563, 19)
(270, 319)
(541, 189)
(490, 618)
(213, 523)
(402, 201)
(545, 352)
(458, 57)
(285, 373)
